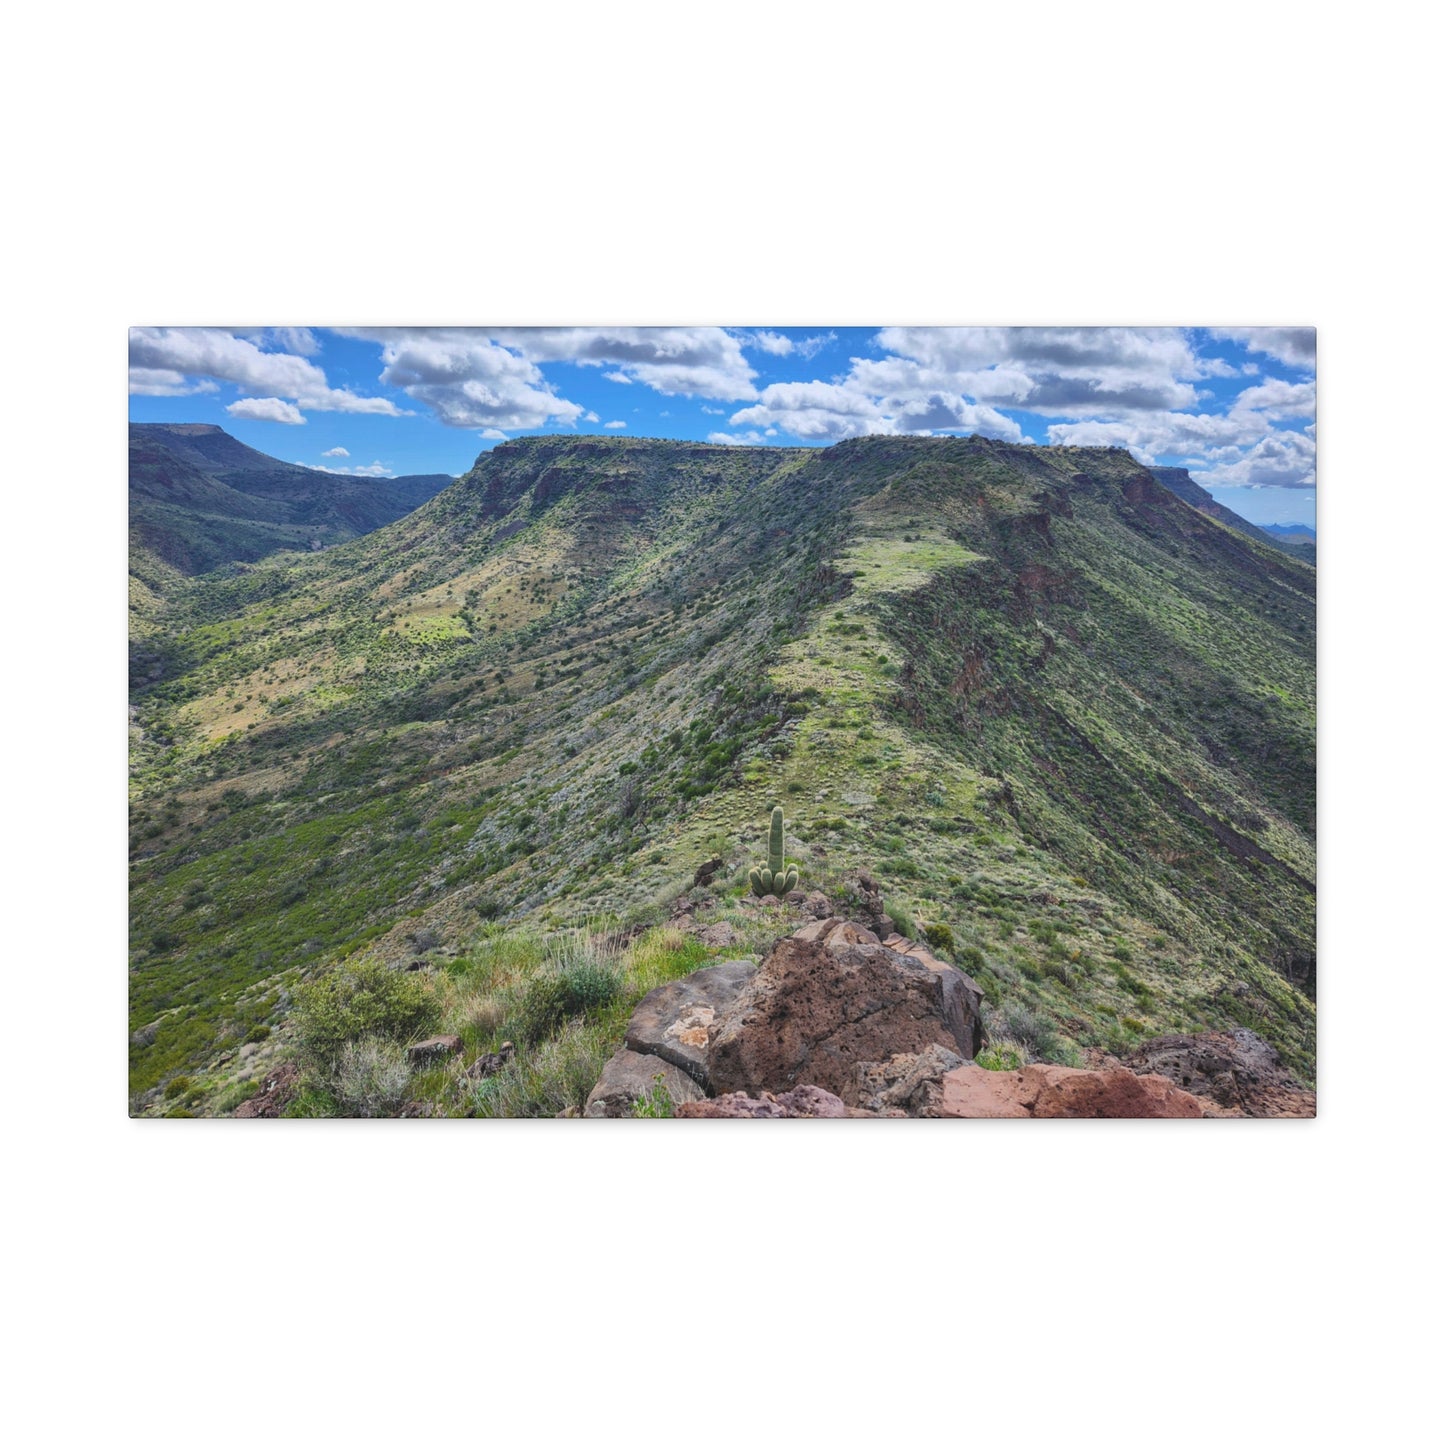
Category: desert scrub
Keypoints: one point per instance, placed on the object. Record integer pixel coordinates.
(371, 1077)
(360, 998)
(656, 1103)
(547, 1080)
(1002, 1056)
(551, 998)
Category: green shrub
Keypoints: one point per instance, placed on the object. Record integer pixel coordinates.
(656, 1103)
(257, 1034)
(552, 998)
(357, 998)
(939, 936)
(177, 1086)
(371, 1077)
(1002, 1056)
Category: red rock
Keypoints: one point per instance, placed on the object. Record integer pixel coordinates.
(1049, 1091)
(1239, 1071)
(812, 1015)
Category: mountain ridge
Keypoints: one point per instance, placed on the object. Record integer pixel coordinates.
(1040, 696)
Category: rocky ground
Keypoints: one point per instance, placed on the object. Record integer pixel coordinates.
(838, 1022)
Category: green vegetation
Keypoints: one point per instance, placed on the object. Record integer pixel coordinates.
(1065, 722)
(774, 878)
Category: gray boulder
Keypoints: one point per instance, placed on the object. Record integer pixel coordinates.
(628, 1077)
(672, 1022)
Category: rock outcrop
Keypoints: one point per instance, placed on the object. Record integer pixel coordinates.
(629, 1076)
(816, 1009)
(672, 1022)
(1237, 1071)
(1049, 1091)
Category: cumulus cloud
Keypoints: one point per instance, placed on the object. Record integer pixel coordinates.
(773, 342)
(741, 439)
(592, 417)
(1293, 345)
(210, 353)
(621, 378)
(467, 379)
(614, 425)
(376, 469)
(336, 452)
(1277, 399)
(870, 403)
(1281, 459)
(266, 408)
(150, 381)
(703, 361)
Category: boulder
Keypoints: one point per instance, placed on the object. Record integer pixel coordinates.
(717, 935)
(628, 1077)
(672, 1022)
(1049, 1091)
(811, 1014)
(485, 1065)
(1236, 1070)
(803, 1102)
(836, 933)
(433, 1050)
(706, 872)
(818, 905)
(906, 1083)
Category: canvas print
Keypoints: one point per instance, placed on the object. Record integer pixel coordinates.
(722, 722)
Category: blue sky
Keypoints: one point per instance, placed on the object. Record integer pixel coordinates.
(1236, 406)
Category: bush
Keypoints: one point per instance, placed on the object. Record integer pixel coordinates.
(552, 998)
(358, 998)
(177, 1086)
(1002, 1056)
(257, 1034)
(939, 936)
(371, 1077)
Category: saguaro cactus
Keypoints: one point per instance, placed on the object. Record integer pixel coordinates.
(774, 879)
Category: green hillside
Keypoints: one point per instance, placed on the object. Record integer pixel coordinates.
(1065, 720)
(200, 498)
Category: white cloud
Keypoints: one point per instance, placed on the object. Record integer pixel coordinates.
(614, 425)
(376, 469)
(592, 417)
(1293, 345)
(621, 378)
(1281, 459)
(1276, 398)
(773, 342)
(467, 379)
(493, 435)
(208, 352)
(810, 346)
(740, 439)
(266, 408)
(147, 381)
(701, 361)
(336, 452)
(868, 403)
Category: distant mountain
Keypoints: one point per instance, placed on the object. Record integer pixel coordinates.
(1296, 534)
(1185, 487)
(200, 498)
(1061, 717)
